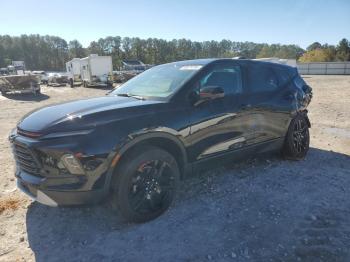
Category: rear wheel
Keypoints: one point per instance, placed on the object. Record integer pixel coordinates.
(297, 140)
(145, 184)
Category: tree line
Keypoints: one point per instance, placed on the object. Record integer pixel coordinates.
(52, 52)
(317, 52)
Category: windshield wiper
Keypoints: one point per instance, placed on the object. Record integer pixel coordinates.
(131, 95)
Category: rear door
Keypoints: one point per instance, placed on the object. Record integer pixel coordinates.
(85, 71)
(270, 99)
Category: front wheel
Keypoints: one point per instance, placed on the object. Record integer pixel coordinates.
(145, 184)
(297, 141)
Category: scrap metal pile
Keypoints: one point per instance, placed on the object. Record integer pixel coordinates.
(129, 69)
(123, 76)
(57, 80)
(22, 83)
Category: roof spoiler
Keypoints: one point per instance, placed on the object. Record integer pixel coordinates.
(290, 62)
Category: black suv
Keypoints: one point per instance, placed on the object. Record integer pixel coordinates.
(140, 139)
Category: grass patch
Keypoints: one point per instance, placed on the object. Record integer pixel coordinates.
(9, 203)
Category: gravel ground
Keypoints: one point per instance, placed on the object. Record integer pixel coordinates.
(263, 209)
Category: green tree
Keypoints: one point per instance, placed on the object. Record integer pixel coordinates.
(317, 55)
(343, 50)
(313, 46)
(75, 49)
(266, 51)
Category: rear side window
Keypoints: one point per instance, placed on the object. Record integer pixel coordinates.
(227, 77)
(284, 75)
(262, 78)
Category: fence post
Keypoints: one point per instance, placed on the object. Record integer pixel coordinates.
(345, 66)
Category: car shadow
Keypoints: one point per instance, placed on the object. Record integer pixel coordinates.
(212, 217)
(27, 97)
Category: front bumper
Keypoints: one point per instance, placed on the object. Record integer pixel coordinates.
(32, 186)
(39, 176)
(38, 196)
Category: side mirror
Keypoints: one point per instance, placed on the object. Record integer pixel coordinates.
(209, 93)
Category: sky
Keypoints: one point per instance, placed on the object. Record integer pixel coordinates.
(300, 22)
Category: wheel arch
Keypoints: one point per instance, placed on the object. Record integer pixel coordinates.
(307, 120)
(168, 142)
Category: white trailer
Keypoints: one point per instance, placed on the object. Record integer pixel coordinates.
(16, 68)
(73, 68)
(96, 70)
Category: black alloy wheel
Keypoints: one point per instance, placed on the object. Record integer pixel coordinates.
(144, 184)
(297, 140)
(300, 139)
(151, 187)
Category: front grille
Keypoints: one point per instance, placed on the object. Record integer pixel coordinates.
(25, 159)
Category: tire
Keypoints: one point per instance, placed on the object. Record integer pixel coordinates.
(71, 82)
(145, 184)
(296, 144)
(37, 92)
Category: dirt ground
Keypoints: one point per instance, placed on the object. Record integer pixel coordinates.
(263, 209)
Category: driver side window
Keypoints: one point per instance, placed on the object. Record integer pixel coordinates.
(228, 77)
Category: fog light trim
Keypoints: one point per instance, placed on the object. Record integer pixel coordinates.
(72, 164)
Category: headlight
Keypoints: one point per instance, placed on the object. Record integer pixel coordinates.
(72, 164)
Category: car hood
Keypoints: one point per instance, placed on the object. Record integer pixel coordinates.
(83, 113)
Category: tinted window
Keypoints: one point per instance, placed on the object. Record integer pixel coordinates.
(227, 77)
(159, 81)
(262, 78)
(283, 75)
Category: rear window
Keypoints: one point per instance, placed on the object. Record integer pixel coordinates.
(283, 75)
(262, 78)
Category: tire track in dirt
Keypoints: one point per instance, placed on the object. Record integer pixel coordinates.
(322, 235)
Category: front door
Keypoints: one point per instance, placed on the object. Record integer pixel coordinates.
(221, 125)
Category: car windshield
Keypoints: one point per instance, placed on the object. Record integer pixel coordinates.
(160, 81)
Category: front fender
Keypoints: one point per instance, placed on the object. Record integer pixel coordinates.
(165, 133)
(139, 137)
